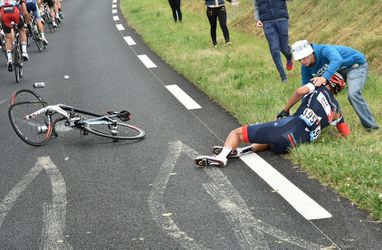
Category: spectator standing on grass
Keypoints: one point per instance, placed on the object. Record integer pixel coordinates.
(320, 61)
(176, 12)
(273, 17)
(216, 10)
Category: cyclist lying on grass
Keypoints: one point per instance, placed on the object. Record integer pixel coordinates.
(318, 109)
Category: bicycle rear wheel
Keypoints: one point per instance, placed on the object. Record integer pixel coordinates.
(114, 130)
(37, 38)
(34, 131)
(17, 64)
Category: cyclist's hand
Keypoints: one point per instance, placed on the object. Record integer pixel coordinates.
(259, 24)
(282, 114)
(318, 81)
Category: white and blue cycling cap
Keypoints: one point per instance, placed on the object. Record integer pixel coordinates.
(301, 49)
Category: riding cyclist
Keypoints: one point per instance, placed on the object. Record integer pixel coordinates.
(11, 12)
(318, 109)
(32, 6)
(52, 5)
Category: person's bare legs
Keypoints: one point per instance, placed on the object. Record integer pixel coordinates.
(233, 141)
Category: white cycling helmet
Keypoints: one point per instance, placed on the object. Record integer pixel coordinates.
(301, 49)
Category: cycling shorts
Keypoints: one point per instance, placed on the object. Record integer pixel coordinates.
(11, 14)
(32, 7)
(50, 3)
(280, 135)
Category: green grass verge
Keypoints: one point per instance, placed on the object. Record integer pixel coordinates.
(243, 80)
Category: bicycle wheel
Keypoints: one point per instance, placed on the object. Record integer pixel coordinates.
(26, 95)
(34, 131)
(113, 129)
(17, 61)
(37, 39)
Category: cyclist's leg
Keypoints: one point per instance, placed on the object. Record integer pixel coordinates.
(51, 5)
(6, 24)
(23, 38)
(40, 25)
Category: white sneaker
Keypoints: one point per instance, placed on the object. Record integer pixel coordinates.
(54, 24)
(25, 56)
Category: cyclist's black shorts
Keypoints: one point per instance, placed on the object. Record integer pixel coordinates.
(280, 135)
(50, 3)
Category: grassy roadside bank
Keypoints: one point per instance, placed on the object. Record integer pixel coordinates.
(242, 79)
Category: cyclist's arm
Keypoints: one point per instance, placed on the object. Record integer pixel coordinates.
(340, 124)
(343, 129)
(298, 94)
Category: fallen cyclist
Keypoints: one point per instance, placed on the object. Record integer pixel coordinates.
(318, 110)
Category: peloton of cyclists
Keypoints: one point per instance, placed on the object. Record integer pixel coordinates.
(12, 12)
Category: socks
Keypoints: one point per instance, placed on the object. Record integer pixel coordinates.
(9, 55)
(224, 153)
(23, 47)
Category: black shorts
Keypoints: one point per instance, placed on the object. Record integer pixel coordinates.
(50, 3)
(281, 135)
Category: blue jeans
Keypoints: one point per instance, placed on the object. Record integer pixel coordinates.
(356, 78)
(276, 33)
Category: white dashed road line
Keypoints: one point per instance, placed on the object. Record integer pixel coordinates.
(120, 27)
(129, 40)
(182, 97)
(147, 61)
(116, 18)
(114, 11)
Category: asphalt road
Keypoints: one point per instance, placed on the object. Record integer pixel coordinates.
(85, 192)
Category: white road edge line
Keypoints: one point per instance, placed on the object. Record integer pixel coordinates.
(114, 11)
(129, 40)
(120, 27)
(116, 18)
(182, 97)
(114, 6)
(147, 61)
(300, 201)
(114, 1)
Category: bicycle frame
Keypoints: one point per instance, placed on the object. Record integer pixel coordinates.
(72, 118)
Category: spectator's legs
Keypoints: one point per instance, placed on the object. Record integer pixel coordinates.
(212, 18)
(270, 31)
(282, 27)
(172, 5)
(356, 79)
(178, 11)
(222, 15)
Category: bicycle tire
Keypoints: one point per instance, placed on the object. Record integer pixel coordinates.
(26, 95)
(129, 132)
(37, 39)
(103, 127)
(35, 131)
(17, 64)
